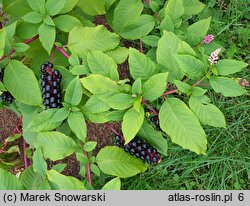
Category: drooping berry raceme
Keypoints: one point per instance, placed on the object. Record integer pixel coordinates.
(140, 149)
(213, 58)
(5, 96)
(51, 89)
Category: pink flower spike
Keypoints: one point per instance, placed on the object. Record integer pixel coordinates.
(213, 59)
(208, 39)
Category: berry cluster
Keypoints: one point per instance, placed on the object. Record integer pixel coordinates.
(154, 119)
(5, 96)
(51, 89)
(140, 149)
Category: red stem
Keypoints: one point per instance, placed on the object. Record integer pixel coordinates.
(170, 92)
(89, 177)
(144, 101)
(13, 50)
(113, 130)
(141, 47)
(64, 53)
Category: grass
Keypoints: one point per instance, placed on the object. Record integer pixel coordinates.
(227, 164)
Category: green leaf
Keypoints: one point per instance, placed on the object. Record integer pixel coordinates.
(207, 113)
(165, 54)
(137, 87)
(197, 91)
(55, 145)
(73, 94)
(48, 20)
(155, 86)
(92, 8)
(47, 36)
(69, 5)
(74, 60)
(37, 5)
(95, 169)
(175, 10)
(89, 146)
(115, 161)
(12, 138)
(30, 179)
(197, 31)
(183, 87)
(131, 124)
(137, 103)
(115, 115)
(96, 105)
(9, 181)
(33, 17)
(114, 184)
(77, 124)
(100, 85)
(153, 137)
(8, 32)
(16, 76)
(43, 121)
(2, 42)
(124, 16)
(185, 49)
(138, 28)
(67, 77)
(191, 66)
(226, 86)
(82, 39)
(167, 24)
(183, 127)
(54, 7)
(62, 182)
(140, 65)
(230, 66)
(119, 54)
(21, 47)
(100, 63)
(151, 40)
(59, 167)
(121, 101)
(60, 115)
(192, 7)
(66, 22)
(39, 164)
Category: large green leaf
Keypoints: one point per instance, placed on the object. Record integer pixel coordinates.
(30, 179)
(125, 13)
(191, 66)
(138, 28)
(197, 31)
(73, 93)
(132, 122)
(33, 17)
(9, 181)
(95, 105)
(82, 39)
(153, 137)
(37, 5)
(66, 22)
(183, 127)
(44, 121)
(121, 101)
(92, 8)
(140, 65)
(47, 36)
(77, 124)
(62, 182)
(230, 66)
(100, 63)
(192, 7)
(207, 113)
(22, 83)
(155, 86)
(69, 5)
(53, 7)
(39, 164)
(175, 10)
(55, 145)
(165, 54)
(226, 86)
(119, 54)
(115, 161)
(114, 184)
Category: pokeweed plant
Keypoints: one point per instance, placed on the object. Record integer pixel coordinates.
(79, 60)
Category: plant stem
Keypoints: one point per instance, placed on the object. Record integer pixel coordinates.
(144, 101)
(141, 47)
(113, 130)
(26, 162)
(52, 54)
(170, 92)
(13, 50)
(89, 177)
(64, 53)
